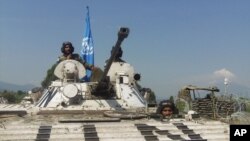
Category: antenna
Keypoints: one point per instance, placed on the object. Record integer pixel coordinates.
(226, 82)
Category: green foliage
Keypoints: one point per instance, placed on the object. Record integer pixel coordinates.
(49, 77)
(13, 97)
(246, 101)
(171, 98)
(248, 107)
(152, 98)
(180, 105)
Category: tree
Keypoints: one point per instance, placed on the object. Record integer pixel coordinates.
(152, 98)
(49, 77)
(10, 97)
(13, 97)
(171, 98)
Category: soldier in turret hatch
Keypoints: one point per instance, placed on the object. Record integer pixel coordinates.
(166, 108)
(67, 49)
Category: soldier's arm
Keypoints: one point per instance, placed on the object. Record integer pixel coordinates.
(85, 64)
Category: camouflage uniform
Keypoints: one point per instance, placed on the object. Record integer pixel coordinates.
(77, 58)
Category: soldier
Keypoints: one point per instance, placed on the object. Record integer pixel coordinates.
(166, 108)
(67, 49)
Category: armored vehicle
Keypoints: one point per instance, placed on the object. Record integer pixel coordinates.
(112, 109)
(116, 89)
(207, 103)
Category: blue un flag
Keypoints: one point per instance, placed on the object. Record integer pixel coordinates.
(87, 52)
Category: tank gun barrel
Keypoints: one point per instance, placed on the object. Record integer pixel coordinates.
(122, 34)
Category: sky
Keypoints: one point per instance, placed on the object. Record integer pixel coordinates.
(172, 43)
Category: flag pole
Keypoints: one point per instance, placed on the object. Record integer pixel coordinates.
(87, 52)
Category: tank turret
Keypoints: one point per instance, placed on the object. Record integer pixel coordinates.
(70, 70)
(115, 90)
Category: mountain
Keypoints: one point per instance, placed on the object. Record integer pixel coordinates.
(15, 87)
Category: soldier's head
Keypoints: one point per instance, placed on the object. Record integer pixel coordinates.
(166, 108)
(67, 48)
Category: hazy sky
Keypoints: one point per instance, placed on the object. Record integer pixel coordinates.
(172, 43)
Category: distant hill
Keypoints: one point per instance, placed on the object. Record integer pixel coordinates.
(15, 87)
